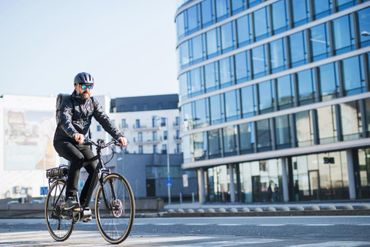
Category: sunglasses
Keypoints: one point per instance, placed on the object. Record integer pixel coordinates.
(87, 86)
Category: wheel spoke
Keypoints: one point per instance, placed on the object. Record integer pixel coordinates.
(59, 225)
(114, 207)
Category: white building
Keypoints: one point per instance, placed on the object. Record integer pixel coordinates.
(148, 122)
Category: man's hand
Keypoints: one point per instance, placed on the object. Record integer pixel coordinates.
(122, 141)
(80, 138)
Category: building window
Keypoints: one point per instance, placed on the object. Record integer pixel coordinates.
(200, 145)
(238, 6)
(226, 72)
(213, 47)
(353, 75)
(285, 92)
(197, 48)
(155, 136)
(282, 131)
(301, 12)
(306, 87)
(232, 105)
(217, 109)
(123, 123)
(164, 149)
(328, 81)
(184, 54)
(304, 128)
(165, 135)
(140, 136)
(243, 30)
(364, 26)
(193, 18)
(180, 23)
(187, 116)
(263, 135)
(230, 135)
(351, 120)
(327, 124)
(254, 2)
(260, 24)
(249, 101)
(137, 123)
(140, 149)
(320, 42)
(259, 61)
(214, 140)
(247, 138)
(242, 72)
(279, 16)
(277, 56)
(163, 121)
(201, 116)
(298, 49)
(208, 12)
(343, 35)
(227, 37)
(344, 4)
(183, 81)
(322, 8)
(154, 149)
(265, 95)
(211, 76)
(98, 128)
(197, 86)
(222, 9)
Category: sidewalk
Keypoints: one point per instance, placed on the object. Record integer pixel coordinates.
(268, 209)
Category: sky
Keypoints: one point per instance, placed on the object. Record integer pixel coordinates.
(129, 46)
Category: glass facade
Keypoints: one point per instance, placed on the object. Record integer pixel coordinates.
(285, 75)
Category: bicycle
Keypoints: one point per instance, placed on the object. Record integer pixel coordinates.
(114, 202)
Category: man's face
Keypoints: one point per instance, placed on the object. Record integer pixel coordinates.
(84, 90)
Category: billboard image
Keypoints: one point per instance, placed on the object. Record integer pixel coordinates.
(28, 139)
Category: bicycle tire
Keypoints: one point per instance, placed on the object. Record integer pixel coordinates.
(55, 199)
(124, 206)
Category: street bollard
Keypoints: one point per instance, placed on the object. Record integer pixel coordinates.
(192, 197)
(180, 197)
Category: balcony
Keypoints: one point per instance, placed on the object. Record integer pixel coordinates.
(145, 128)
(147, 142)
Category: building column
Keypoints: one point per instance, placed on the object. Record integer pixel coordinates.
(201, 187)
(285, 180)
(232, 187)
(351, 175)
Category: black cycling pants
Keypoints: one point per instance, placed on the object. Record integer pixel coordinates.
(77, 155)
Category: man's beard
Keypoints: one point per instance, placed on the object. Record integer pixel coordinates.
(85, 95)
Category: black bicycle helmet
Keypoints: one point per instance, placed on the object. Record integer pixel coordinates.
(84, 78)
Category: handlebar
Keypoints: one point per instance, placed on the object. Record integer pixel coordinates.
(101, 144)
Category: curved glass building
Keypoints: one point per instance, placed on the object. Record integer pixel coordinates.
(275, 98)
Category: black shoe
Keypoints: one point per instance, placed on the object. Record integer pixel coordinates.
(86, 214)
(71, 203)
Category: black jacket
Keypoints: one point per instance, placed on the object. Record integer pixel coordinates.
(75, 117)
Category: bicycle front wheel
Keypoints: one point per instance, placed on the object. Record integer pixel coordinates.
(58, 221)
(114, 208)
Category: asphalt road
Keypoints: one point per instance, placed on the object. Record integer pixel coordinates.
(216, 231)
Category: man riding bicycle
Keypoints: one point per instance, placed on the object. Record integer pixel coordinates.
(73, 123)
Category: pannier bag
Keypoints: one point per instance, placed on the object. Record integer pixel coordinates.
(57, 172)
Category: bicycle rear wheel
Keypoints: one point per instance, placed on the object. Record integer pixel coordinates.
(59, 222)
(114, 208)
